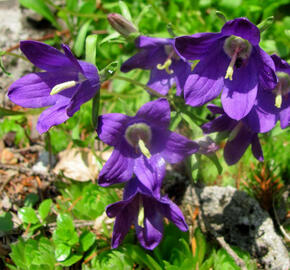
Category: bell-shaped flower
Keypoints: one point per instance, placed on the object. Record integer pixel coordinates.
(167, 67)
(145, 209)
(240, 136)
(141, 141)
(230, 61)
(271, 106)
(64, 87)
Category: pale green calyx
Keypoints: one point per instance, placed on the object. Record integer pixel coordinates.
(62, 86)
(166, 66)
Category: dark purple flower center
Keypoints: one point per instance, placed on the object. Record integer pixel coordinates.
(239, 50)
(139, 136)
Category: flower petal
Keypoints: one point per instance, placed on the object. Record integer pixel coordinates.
(239, 95)
(148, 42)
(124, 220)
(33, 90)
(83, 93)
(181, 70)
(196, 46)
(145, 59)
(111, 127)
(236, 147)
(280, 64)
(118, 169)
(285, 112)
(52, 116)
(155, 113)
(256, 148)
(264, 114)
(171, 211)
(71, 57)
(221, 123)
(177, 147)
(243, 28)
(215, 109)
(207, 79)
(266, 68)
(44, 56)
(150, 172)
(160, 81)
(151, 235)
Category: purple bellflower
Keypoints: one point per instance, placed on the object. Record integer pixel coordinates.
(144, 208)
(240, 137)
(271, 106)
(167, 67)
(230, 61)
(141, 141)
(64, 87)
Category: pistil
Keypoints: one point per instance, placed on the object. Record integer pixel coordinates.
(230, 70)
(141, 213)
(144, 150)
(62, 86)
(166, 66)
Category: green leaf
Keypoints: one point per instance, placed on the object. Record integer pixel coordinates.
(28, 215)
(215, 160)
(86, 240)
(91, 48)
(80, 39)
(65, 231)
(230, 4)
(31, 199)
(6, 223)
(44, 208)
(72, 5)
(125, 10)
(22, 253)
(40, 7)
(72, 260)
(44, 255)
(265, 24)
(200, 245)
(62, 252)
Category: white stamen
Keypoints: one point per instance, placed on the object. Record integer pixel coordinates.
(62, 86)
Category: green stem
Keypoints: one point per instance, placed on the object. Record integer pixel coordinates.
(150, 90)
(16, 55)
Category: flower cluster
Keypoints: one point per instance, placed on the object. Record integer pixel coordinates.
(142, 146)
(254, 89)
(254, 86)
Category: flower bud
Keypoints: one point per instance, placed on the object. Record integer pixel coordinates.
(121, 25)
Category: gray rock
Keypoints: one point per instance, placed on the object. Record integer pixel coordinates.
(241, 221)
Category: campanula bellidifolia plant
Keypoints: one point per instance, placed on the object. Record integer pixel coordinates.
(254, 88)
